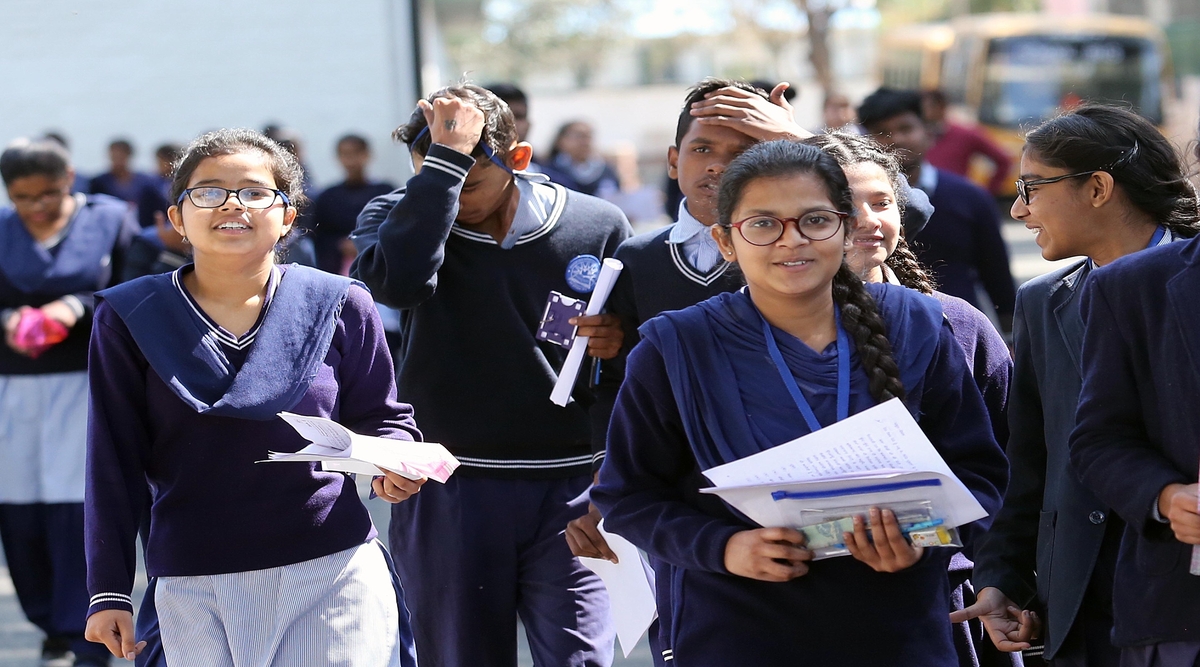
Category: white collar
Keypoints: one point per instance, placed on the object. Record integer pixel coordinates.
(929, 178)
(687, 227)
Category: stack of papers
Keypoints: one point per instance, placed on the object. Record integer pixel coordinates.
(630, 584)
(339, 450)
(877, 457)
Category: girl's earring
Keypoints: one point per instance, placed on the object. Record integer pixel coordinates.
(186, 242)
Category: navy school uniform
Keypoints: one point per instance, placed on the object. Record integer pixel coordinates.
(335, 213)
(45, 412)
(676, 416)
(143, 191)
(488, 546)
(188, 409)
(1138, 430)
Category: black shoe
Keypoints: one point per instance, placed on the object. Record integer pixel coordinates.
(91, 661)
(56, 652)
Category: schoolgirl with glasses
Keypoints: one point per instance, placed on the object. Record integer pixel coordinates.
(253, 564)
(1099, 183)
(806, 344)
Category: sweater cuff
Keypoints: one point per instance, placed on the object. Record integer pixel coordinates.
(105, 601)
(448, 160)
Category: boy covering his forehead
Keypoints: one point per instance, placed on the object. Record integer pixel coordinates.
(470, 251)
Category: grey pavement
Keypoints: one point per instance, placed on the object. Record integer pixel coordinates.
(20, 641)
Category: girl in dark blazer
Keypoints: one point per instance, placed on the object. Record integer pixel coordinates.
(1098, 182)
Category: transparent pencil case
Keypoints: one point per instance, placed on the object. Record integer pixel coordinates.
(823, 528)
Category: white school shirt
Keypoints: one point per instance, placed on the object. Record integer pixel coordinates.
(696, 241)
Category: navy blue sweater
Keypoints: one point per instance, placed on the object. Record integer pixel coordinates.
(468, 361)
(649, 492)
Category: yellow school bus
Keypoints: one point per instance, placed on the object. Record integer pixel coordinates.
(1010, 71)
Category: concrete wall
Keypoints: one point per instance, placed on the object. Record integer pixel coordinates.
(166, 70)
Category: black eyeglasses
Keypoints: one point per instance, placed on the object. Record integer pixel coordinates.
(815, 225)
(1024, 187)
(215, 197)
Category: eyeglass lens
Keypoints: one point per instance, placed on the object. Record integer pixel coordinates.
(814, 226)
(254, 197)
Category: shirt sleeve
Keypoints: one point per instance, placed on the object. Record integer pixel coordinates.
(367, 398)
(118, 442)
(1007, 557)
(648, 463)
(1109, 446)
(401, 237)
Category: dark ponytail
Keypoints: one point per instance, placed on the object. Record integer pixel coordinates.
(860, 313)
(1132, 150)
(908, 269)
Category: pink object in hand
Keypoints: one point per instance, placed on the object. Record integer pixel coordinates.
(37, 333)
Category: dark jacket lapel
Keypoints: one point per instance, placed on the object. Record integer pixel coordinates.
(1184, 293)
(1064, 301)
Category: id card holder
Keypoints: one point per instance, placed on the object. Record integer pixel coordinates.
(555, 326)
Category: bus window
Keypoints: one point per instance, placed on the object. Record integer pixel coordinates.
(1028, 78)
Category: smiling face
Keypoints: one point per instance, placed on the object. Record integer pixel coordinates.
(877, 220)
(699, 161)
(793, 266)
(1059, 214)
(232, 230)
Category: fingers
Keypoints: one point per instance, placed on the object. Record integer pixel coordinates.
(129, 647)
(604, 333)
(585, 539)
(777, 95)
(395, 488)
(969, 613)
(426, 109)
(787, 535)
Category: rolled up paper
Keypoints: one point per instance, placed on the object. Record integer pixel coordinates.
(609, 270)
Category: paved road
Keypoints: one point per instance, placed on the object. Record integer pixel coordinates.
(20, 641)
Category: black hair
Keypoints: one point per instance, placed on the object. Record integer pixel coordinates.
(356, 139)
(860, 314)
(558, 136)
(696, 94)
(1140, 159)
(887, 103)
(499, 127)
(289, 177)
(508, 92)
(58, 138)
(851, 149)
(789, 93)
(168, 152)
(24, 158)
(124, 144)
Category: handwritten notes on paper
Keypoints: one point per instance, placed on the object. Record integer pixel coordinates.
(337, 449)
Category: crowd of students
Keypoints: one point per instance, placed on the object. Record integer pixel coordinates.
(808, 278)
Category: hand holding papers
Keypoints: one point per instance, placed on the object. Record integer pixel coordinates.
(879, 457)
(339, 450)
(630, 583)
(609, 270)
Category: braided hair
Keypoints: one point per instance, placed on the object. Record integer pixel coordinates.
(1129, 148)
(851, 149)
(860, 314)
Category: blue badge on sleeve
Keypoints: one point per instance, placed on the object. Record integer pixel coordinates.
(582, 273)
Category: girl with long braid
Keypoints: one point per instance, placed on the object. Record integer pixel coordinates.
(701, 390)
(879, 253)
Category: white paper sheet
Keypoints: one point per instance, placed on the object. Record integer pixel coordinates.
(881, 445)
(630, 583)
(609, 270)
(340, 450)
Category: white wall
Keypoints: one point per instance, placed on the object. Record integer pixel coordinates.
(167, 70)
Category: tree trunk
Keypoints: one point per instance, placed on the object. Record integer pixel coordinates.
(818, 41)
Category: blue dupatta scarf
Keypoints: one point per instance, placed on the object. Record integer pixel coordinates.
(287, 353)
(730, 395)
(79, 263)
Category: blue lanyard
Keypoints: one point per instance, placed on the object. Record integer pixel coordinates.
(843, 385)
